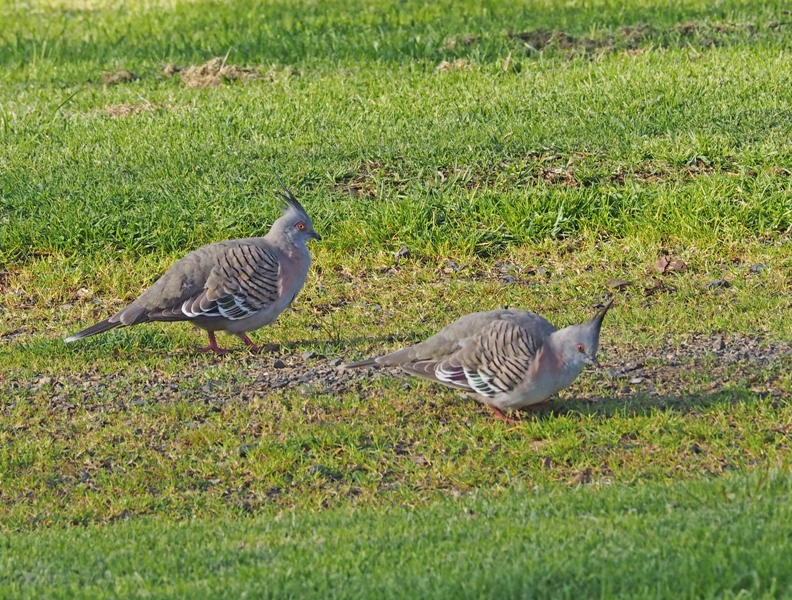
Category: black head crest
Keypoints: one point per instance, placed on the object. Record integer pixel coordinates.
(596, 320)
(288, 201)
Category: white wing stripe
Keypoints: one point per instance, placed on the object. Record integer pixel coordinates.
(481, 381)
(446, 376)
(188, 313)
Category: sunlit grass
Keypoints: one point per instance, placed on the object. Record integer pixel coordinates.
(519, 170)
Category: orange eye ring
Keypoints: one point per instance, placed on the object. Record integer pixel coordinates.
(301, 226)
(580, 348)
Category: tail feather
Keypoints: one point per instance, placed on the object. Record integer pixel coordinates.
(101, 327)
(428, 369)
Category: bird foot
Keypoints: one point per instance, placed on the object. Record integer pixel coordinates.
(214, 348)
(499, 414)
(252, 346)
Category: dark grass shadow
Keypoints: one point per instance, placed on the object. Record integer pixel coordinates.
(643, 404)
(383, 36)
(129, 345)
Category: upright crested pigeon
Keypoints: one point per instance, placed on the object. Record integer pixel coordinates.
(507, 359)
(235, 286)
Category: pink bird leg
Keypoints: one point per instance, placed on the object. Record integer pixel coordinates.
(213, 347)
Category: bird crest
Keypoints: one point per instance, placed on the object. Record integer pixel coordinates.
(288, 201)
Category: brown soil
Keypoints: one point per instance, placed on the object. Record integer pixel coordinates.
(460, 64)
(704, 364)
(118, 76)
(213, 73)
(548, 167)
(125, 110)
(364, 181)
(628, 38)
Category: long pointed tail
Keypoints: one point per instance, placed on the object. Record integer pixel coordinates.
(101, 327)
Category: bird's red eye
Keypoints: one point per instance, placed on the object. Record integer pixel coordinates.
(301, 226)
(580, 348)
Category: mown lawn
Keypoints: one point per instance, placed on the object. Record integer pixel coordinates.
(729, 538)
(542, 155)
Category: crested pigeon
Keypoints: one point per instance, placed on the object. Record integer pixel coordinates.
(234, 286)
(506, 359)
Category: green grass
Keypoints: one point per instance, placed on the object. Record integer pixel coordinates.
(450, 162)
(729, 538)
(608, 135)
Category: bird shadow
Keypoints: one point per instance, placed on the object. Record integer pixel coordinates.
(643, 404)
(347, 344)
(157, 343)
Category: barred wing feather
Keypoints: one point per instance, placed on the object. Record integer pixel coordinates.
(491, 363)
(244, 282)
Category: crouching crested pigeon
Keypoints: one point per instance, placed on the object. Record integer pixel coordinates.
(507, 359)
(235, 286)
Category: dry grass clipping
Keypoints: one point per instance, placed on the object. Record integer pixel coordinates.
(212, 73)
(125, 110)
(118, 76)
(458, 65)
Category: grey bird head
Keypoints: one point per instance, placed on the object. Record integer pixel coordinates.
(578, 344)
(295, 225)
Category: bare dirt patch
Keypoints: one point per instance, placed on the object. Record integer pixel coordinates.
(452, 43)
(704, 364)
(543, 166)
(126, 110)
(541, 39)
(118, 76)
(120, 111)
(572, 170)
(630, 37)
(656, 172)
(215, 72)
(460, 64)
(366, 180)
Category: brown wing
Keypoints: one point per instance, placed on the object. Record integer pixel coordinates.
(244, 282)
(490, 363)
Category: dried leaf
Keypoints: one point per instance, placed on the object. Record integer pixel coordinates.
(665, 264)
(662, 264)
(618, 283)
(677, 265)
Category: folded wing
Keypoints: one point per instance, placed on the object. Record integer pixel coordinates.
(491, 363)
(242, 283)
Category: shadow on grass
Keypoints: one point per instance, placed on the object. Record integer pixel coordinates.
(643, 404)
(143, 344)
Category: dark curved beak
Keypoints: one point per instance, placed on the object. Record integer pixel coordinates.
(315, 236)
(591, 360)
